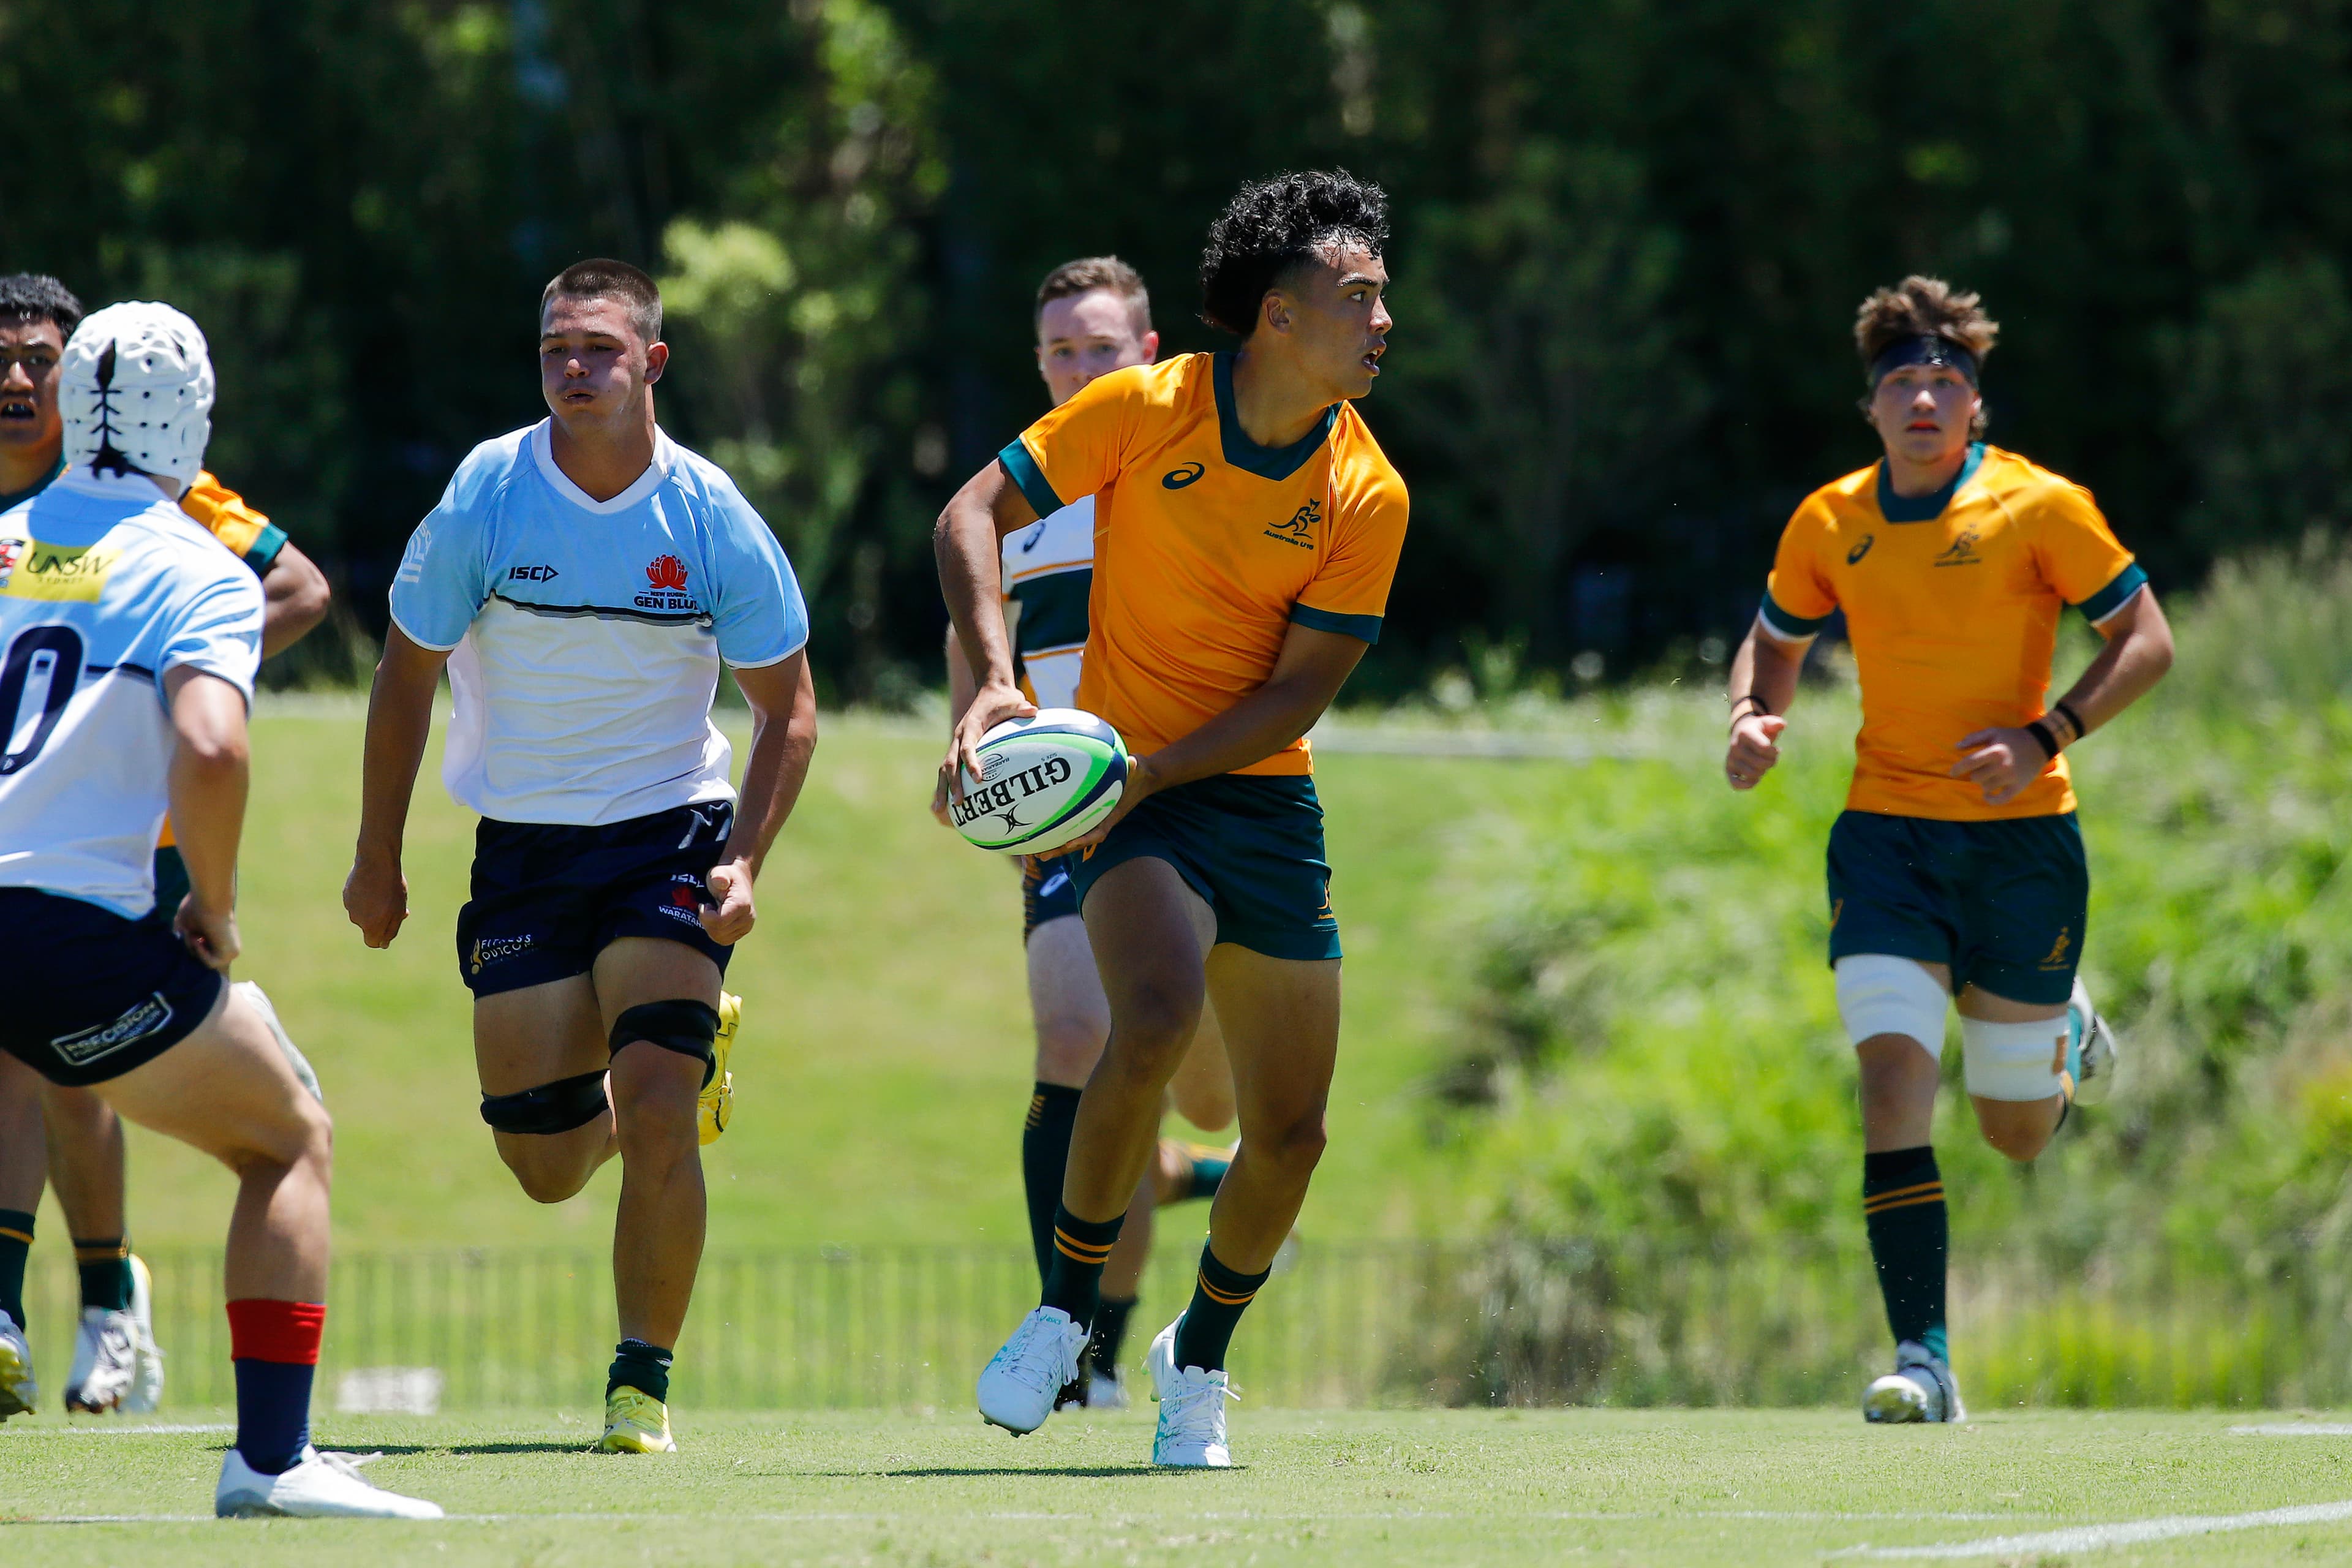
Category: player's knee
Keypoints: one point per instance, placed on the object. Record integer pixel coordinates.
(1158, 1016)
(1295, 1145)
(2015, 1138)
(1068, 1046)
(682, 1027)
(1878, 993)
(546, 1175)
(2015, 1063)
(1207, 1106)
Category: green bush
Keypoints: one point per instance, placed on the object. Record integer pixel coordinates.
(1651, 1047)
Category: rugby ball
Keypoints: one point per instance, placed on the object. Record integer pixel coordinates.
(1044, 781)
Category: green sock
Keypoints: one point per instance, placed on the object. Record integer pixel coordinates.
(1081, 1247)
(105, 1263)
(1219, 1298)
(1903, 1208)
(16, 1242)
(638, 1365)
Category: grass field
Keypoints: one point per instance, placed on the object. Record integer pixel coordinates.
(885, 1062)
(1740, 1490)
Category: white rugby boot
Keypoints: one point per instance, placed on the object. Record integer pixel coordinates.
(105, 1362)
(260, 998)
(1021, 1382)
(1104, 1391)
(19, 1393)
(147, 1380)
(1920, 1388)
(1192, 1434)
(2092, 1050)
(319, 1486)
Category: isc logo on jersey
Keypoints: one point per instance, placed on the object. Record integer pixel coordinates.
(1045, 779)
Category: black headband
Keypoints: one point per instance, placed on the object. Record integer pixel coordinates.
(1925, 349)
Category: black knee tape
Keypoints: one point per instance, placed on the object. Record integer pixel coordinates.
(689, 1028)
(557, 1107)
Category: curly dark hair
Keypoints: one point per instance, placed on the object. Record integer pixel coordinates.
(37, 296)
(1273, 225)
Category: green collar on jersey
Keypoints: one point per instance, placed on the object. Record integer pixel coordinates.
(1241, 452)
(1929, 507)
(18, 497)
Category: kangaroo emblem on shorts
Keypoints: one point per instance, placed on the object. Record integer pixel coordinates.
(2057, 956)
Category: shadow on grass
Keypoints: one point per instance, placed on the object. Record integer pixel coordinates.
(582, 1445)
(965, 1472)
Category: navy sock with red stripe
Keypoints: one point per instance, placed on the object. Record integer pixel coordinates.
(1903, 1208)
(274, 1345)
(1220, 1296)
(1081, 1247)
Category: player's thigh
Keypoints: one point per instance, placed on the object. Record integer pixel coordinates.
(226, 1089)
(23, 1155)
(633, 971)
(1281, 1021)
(1151, 932)
(1202, 1088)
(2023, 911)
(1065, 1001)
(538, 1035)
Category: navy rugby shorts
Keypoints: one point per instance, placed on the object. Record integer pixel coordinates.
(2003, 903)
(1251, 844)
(97, 994)
(548, 897)
(1047, 893)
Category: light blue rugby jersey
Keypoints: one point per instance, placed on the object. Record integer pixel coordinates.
(105, 586)
(587, 634)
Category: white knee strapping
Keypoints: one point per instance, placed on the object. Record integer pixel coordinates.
(1878, 993)
(2014, 1061)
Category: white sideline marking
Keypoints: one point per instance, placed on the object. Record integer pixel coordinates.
(2127, 1533)
(92, 1430)
(2295, 1429)
(1585, 1516)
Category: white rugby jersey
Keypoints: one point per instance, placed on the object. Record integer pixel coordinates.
(588, 633)
(1049, 570)
(104, 586)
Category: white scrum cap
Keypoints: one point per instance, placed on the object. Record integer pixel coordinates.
(135, 390)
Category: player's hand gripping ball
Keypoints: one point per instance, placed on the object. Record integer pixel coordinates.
(1045, 779)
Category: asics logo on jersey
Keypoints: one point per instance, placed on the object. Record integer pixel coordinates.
(1300, 529)
(1854, 557)
(1177, 478)
(533, 574)
(1961, 551)
(667, 575)
(1036, 533)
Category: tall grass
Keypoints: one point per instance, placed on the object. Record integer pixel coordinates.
(1651, 1046)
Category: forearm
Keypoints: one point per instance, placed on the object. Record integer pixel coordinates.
(295, 598)
(1251, 731)
(971, 573)
(2126, 670)
(1767, 670)
(208, 819)
(399, 724)
(782, 747)
(963, 685)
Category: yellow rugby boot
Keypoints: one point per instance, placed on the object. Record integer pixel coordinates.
(635, 1423)
(718, 1103)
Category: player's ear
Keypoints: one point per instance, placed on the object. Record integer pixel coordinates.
(1152, 348)
(1273, 310)
(657, 361)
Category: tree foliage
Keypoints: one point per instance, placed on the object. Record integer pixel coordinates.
(1630, 239)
